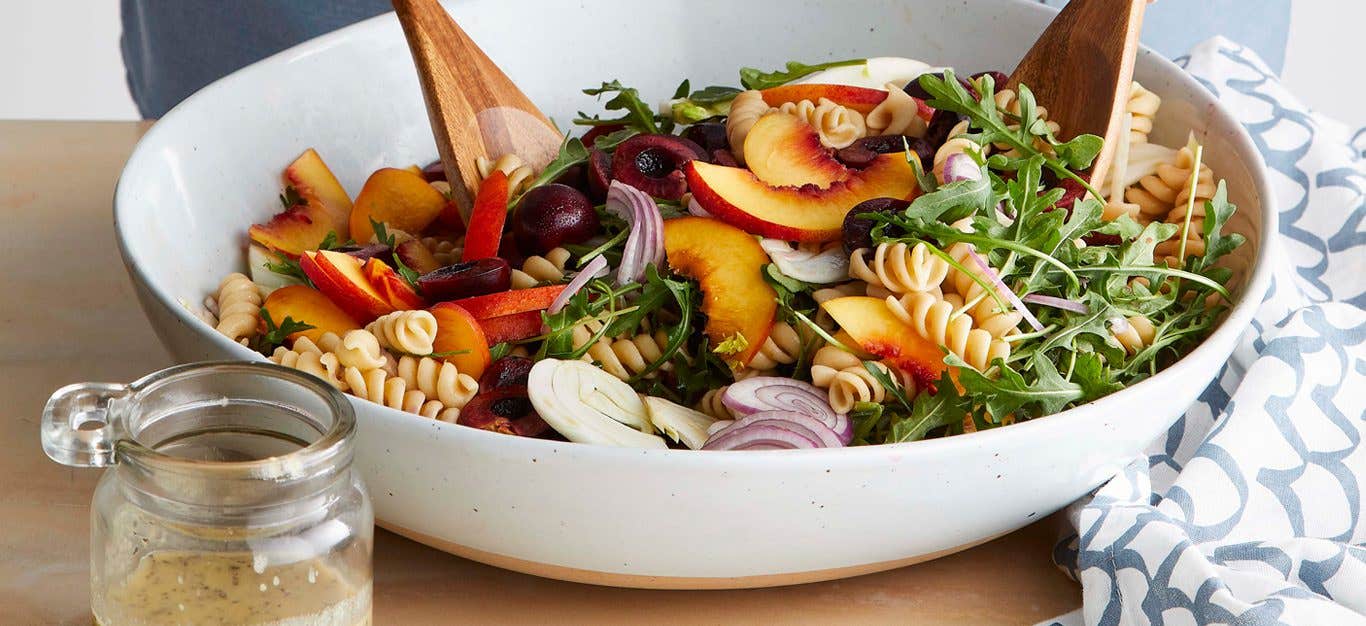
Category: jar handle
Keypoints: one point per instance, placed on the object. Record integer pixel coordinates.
(78, 425)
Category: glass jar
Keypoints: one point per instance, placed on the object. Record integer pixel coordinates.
(229, 498)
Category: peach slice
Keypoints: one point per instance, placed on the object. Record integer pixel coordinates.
(342, 278)
(324, 209)
(513, 327)
(416, 256)
(399, 198)
(806, 213)
(396, 291)
(873, 326)
(784, 150)
(308, 305)
(459, 334)
(727, 263)
(509, 302)
(861, 99)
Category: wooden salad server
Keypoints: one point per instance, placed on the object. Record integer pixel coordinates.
(1081, 67)
(474, 108)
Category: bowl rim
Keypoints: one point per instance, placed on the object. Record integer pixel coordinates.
(1235, 320)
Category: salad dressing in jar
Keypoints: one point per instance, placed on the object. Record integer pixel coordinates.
(229, 498)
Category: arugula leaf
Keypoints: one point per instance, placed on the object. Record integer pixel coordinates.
(682, 90)
(383, 236)
(291, 198)
(753, 78)
(945, 407)
(954, 201)
(613, 139)
(1218, 210)
(276, 335)
(499, 350)
(713, 95)
(637, 114)
(286, 266)
(1091, 373)
(1008, 393)
(572, 152)
(892, 387)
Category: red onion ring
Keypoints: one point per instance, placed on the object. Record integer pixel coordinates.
(804, 425)
(761, 437)
(1005, 291)
(960, 166)
(598, 264)
(1057, 303)
(695, 208)
(645, 244)
(768, 394)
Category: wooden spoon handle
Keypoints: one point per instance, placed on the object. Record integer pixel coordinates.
(1081, 69)
(474, 108)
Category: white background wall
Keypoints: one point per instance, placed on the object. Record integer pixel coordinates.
(60, 59)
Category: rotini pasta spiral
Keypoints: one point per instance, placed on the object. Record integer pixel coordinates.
(856, 384)
(1009, 102)
(446, 251)
(376, 385)
(783, 346)
(324, 365)
(239, 307)
(899, 268)
(711, 404)
(987, 313)
(541, 269)
(519, 173)
(955, 144)
(1142, 108)
(837, 125)
(357, 348)
(898, 114)
(934, 319)
(438, 379)
(745, 110)
(1157, 193)
(622, 357)
(409, 332)
(829, 361)
(1135, 334)
(1205, 186)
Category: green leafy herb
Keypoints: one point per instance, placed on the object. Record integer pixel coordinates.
(753, 78)
(499, 350)
(383, 236)
(945, 407)
(892, 387)
(291, 198)
(276, 335)
(636, 113)
(1008, 392)
(713, 95)
(572, 152)
(286, 266)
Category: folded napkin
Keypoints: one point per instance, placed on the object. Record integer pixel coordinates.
(1250, 509)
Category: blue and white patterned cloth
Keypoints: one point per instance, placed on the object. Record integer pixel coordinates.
(1250, 509)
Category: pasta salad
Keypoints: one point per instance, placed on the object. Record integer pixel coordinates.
(850, 253)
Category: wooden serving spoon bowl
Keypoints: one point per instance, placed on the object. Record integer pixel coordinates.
(1081, 68)
(474, 108)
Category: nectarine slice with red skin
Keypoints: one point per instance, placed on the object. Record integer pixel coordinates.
(308, 305)
(341, 278)
(325, 209)
(861, 99)
(396, 291)
(399, 198)
(783, 150)
(877, 330)
(514, 327)
(509, 302)
(487, 218)
(416, 256)
(807, 213)
(460, 339)
(727, 264)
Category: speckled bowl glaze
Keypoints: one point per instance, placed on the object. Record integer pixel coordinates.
(648, 518)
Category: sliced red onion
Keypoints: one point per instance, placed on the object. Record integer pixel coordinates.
(594, 267)
(1057, 303)
(695, 208)
(804, 425)
(777, 394)
(827, 266)
(645, 244)
(1005, 291)
(960, 166)
(761, 437)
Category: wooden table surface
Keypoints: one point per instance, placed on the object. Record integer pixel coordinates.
(68, 314)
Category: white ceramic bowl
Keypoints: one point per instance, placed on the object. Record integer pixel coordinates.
(647, 518)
